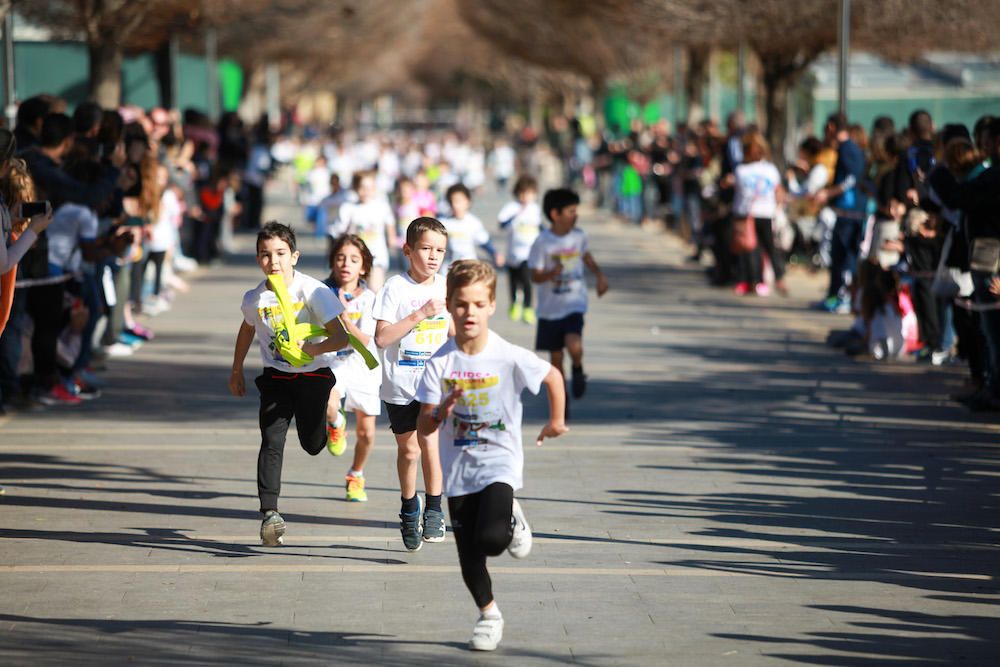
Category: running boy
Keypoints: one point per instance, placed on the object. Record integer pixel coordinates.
(411, 323)
(471, 389)
(556, 261)
(465, 230)
(350, 264)
(522, 218)
(287, 390)
(370, 218)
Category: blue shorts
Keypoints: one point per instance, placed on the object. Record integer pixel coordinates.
(551, 334)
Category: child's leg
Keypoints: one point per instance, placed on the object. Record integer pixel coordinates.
(430, 462)
(311, 394)
(333, 406)
(481, 523)
(525, 278)
(275, 415)
(556, 357)
(574, 345)
(407, 455)
(366, 439)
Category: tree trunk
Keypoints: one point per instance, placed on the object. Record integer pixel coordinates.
(106, 72)
(776, 115)
(695, 79)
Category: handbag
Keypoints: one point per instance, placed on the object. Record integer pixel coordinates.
(944, 286)
(985, 255)
(744, 236)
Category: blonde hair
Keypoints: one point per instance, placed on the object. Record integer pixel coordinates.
(755, 147)
(470, 271)
(16, 188)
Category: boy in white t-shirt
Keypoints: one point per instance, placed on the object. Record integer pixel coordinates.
(522, 219)
(370, 218)
(471, 389)
(287, 389)
(411, 323)
(465, 230)
(557, 259)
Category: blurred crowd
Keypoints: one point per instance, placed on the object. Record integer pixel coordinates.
(103, 212)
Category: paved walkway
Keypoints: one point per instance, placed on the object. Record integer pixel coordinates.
(731, 492)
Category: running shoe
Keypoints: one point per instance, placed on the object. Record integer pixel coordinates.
(520, 543)
(336, 436)
(272, 529)
(82, 390)
(133, 341)
(59, 395)
(356, 489)
(119, 350)
(762, 289)
(516, 311)
(741, 289)
(410, 528)
(529, 316)
(578, 382)
(487, 634)
(139, 331)
(433, 525)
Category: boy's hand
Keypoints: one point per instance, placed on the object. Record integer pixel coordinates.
(551, 430)
(431, 308)
(449, 402)
(995, 286)
(602, 285)
(237, 385)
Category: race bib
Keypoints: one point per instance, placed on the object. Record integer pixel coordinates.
(477, 411)
(416, 347)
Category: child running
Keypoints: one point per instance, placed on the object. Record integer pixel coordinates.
(556, 260)
(465, 230)
(522, 218)
(411, 323)
(471, 389)
(350, 264)
(287, 389)
(370, 218)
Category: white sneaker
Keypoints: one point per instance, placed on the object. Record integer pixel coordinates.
(487, 634)
(119, 350)
(520, 543)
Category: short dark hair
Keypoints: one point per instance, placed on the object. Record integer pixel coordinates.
(56, 128)
(423, 224)
(457, 189)
(838, 120)
(811, 146)
(525, 183)
(558, 199)
(367, 261)
(87, 117)
(276, 230)
(33, 108)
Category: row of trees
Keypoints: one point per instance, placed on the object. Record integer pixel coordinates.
(503, 50)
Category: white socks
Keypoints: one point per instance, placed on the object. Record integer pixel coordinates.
(492, 613)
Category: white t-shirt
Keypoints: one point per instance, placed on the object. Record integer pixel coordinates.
(756, 186)
(403, 362)
(480, 442)
(368, 220)
(164, 235)
(464, 236)
(347, 365)
(313, 303)
(70, 224)
(523, 224)
(566, 293)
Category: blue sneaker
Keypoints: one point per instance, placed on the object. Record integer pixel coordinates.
(410, 527)
(433, 525)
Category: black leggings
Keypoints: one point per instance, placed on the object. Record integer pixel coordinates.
(48, 313)
(283, 396)
(157, 259)
(520, 279)
(481, 523)
(751, 264)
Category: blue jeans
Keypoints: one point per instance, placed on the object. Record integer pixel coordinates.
(10, 346)
(847, 234)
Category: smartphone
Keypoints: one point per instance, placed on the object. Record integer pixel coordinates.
(30, 209)
(134, 221)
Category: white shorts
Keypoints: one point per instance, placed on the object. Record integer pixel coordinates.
(366, 403)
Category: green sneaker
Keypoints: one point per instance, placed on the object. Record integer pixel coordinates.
(356, 489)
(410, 527)
(336, 436)
(529, 316)
(272, 529)
(516, 311)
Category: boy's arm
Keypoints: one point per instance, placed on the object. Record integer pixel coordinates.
(387, 334)
(543, 276)
(432, 415)
(591, 263)
(237, 384)
(336, 338)
(555, 386)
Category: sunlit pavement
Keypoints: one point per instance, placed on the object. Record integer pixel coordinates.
(732, 491)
